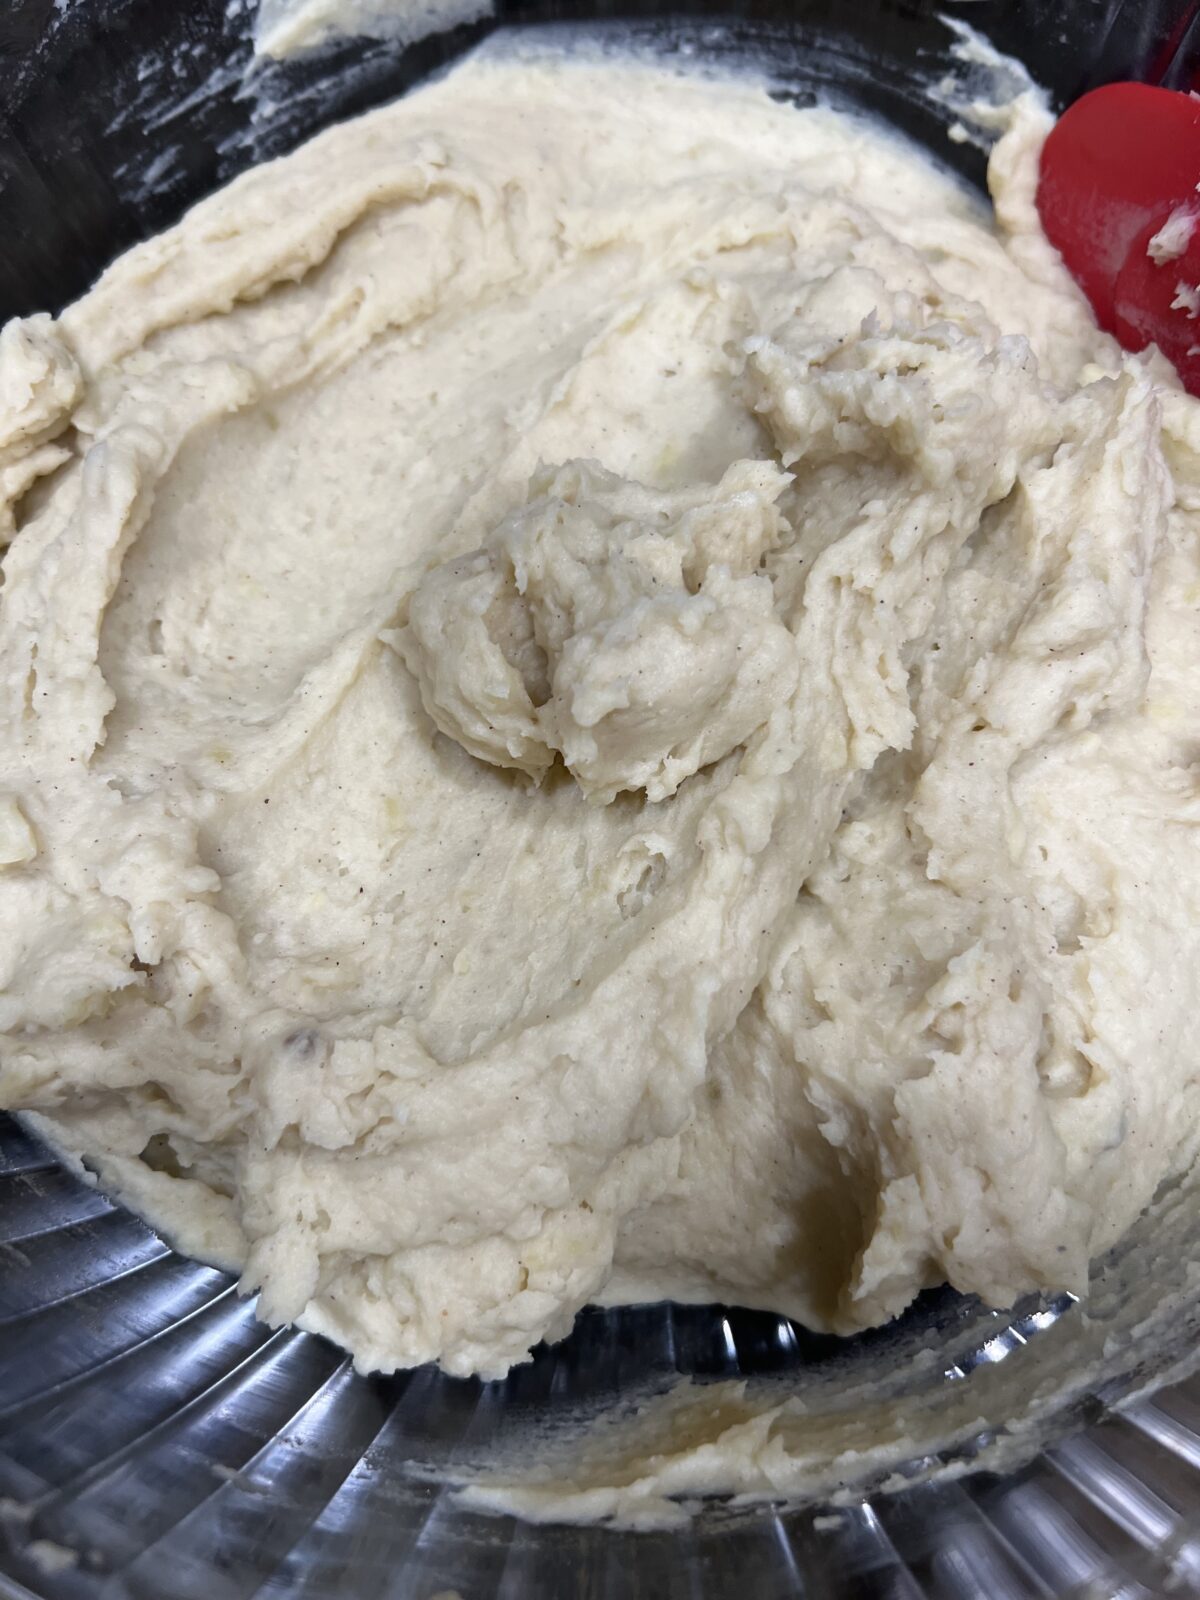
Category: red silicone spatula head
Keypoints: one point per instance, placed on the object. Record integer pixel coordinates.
(1116, 191)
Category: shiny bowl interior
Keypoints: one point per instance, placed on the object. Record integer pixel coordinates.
(156, 1440)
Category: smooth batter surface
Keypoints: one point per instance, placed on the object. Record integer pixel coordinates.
(601, 684)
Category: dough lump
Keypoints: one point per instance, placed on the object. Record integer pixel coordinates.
(627, 631)
(587, 728)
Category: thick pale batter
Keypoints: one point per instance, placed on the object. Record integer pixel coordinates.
(601, 684)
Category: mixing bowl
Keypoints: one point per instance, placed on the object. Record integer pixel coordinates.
(158, 1442)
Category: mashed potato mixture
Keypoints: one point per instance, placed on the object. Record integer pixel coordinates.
(601, 698)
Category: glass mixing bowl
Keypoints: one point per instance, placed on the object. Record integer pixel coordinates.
(157, 1442)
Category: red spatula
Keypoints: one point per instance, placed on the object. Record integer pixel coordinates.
(1121, 166)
